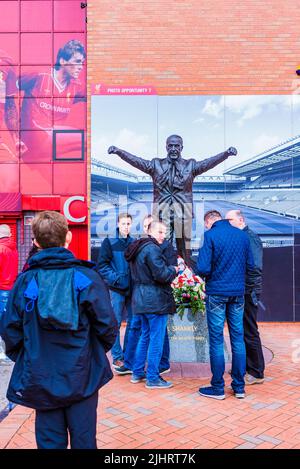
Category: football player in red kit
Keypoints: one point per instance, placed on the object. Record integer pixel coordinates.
(41, 113)
(9, 137)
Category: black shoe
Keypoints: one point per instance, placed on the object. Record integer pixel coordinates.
(164, 371)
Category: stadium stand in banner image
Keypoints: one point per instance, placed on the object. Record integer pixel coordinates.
(266, 187)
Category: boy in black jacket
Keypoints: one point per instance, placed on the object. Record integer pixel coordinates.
(136, 322)
(153, 301)
(58, 327)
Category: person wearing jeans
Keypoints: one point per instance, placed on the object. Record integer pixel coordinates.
(134, 330)
(114, 269)
(4, 294)
(150, 346)
(218, 309)
(120, 304)
(223, 261)
(133, 334)
(152, 301)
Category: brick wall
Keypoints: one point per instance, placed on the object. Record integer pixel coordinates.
(195, 46)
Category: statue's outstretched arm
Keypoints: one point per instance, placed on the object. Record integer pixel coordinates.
(209, 163)
(143, 165)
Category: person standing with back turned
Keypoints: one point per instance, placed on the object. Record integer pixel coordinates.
(255, 363)
(58, 327)
(222, 261)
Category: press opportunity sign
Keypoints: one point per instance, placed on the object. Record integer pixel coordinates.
(110, 90)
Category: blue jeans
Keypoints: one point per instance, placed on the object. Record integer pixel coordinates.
(219, 308)
(4, 294)
(119, 302)
(134, 333)
(150, 345)
(165, 358)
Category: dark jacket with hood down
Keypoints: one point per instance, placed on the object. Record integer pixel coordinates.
(112, 265)
(57, 327)
(254, 276)
(151, 278)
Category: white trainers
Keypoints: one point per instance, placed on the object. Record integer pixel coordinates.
(239, 395)
(249, 379)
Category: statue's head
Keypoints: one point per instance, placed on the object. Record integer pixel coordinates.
(174, 146)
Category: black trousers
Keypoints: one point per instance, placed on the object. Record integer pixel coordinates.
(79, 420)
(255, 364)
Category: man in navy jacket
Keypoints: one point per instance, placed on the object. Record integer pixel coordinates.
(58, 327)
(223, 261)
(115, 271)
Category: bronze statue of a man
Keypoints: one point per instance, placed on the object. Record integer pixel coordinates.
(173, 178)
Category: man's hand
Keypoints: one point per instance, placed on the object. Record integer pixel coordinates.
(113, 149)
(181, 265)
(232, 151)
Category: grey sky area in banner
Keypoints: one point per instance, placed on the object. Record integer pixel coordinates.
(208, 125)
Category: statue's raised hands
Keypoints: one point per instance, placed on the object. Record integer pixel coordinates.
(232, 151)
(112, 149)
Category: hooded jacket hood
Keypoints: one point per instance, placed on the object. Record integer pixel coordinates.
(55, 287)
(56, 258)
(135, 247)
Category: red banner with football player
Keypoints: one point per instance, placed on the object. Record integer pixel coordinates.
(43, 103)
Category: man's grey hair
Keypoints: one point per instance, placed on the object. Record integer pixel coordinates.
(240, 213)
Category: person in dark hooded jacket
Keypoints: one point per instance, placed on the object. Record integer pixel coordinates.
(114, 269)
(136, 323)
(153, 300)
(58, 327)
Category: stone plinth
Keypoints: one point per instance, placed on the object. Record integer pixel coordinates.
(189, 338)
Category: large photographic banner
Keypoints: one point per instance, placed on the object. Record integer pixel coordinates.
(262, 180)
(42, 97)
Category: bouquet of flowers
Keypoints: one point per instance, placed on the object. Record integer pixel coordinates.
(188, 291)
